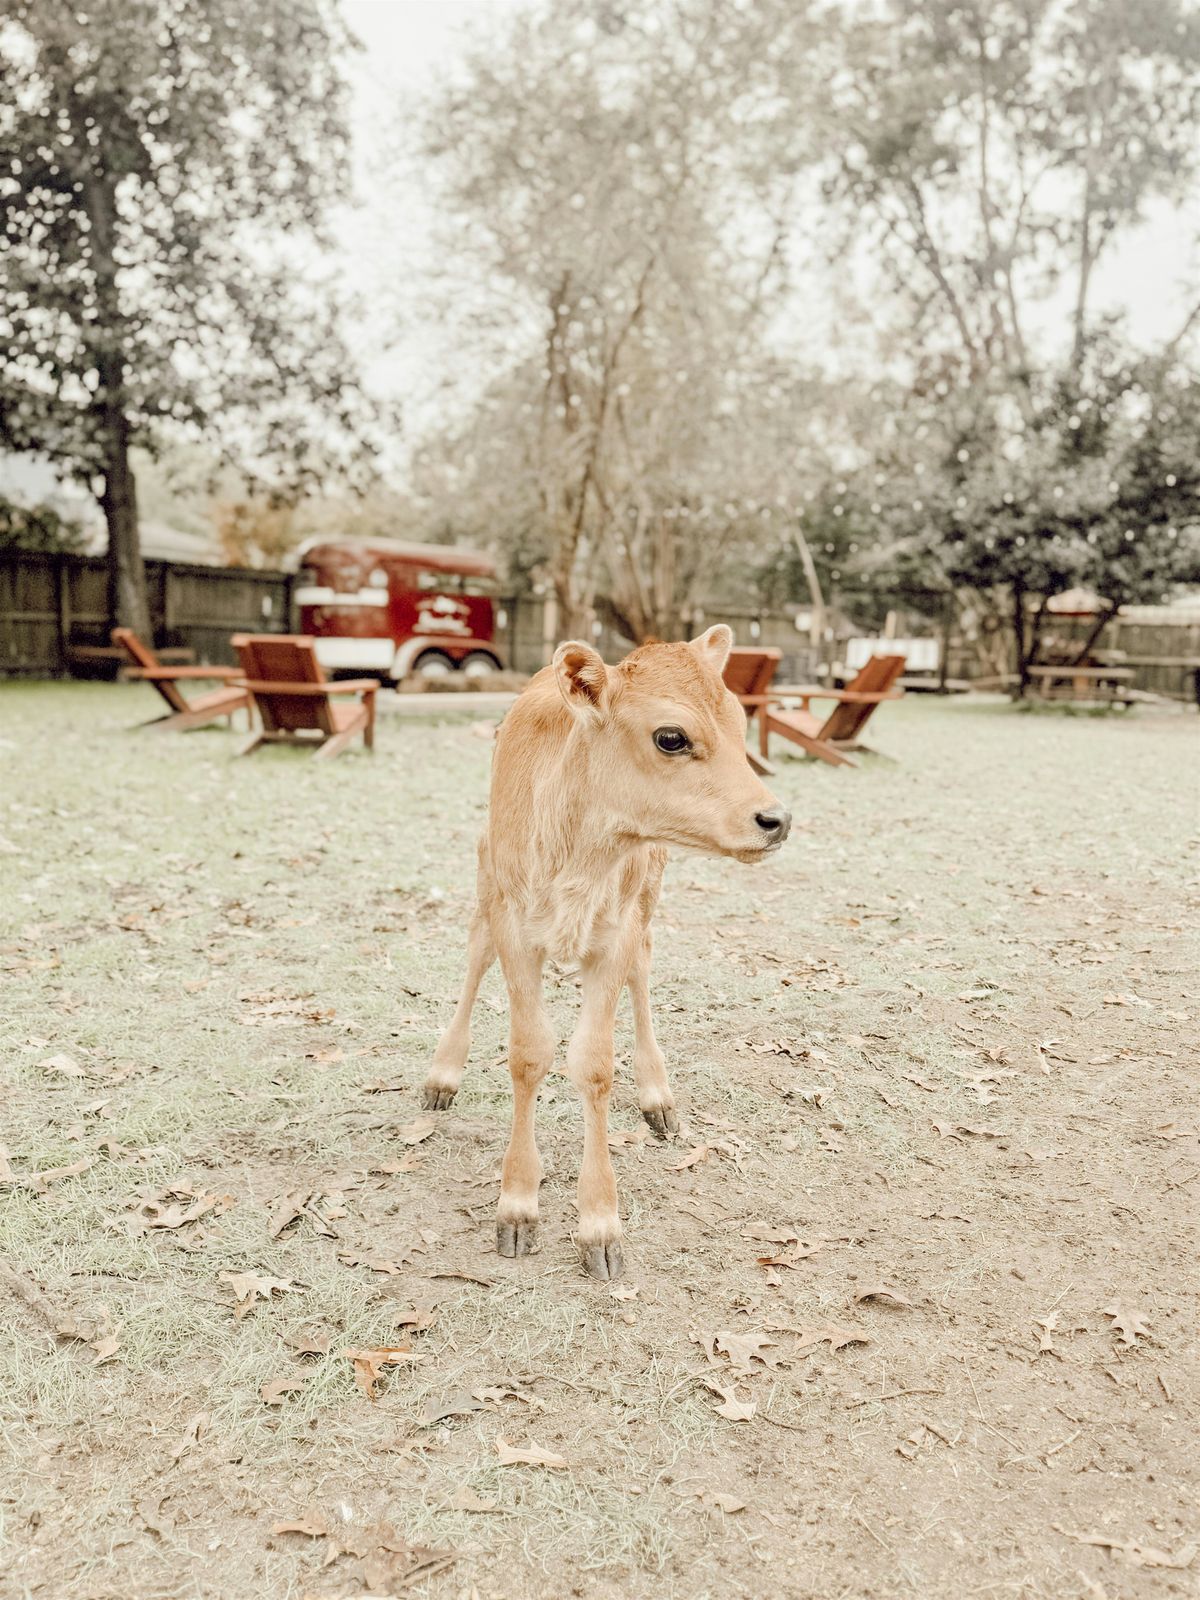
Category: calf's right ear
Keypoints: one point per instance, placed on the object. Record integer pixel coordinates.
(582, 679)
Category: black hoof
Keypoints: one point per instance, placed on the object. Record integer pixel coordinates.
(662, 1119)
(437, 1098)
(517, 1238)
(603, 1261)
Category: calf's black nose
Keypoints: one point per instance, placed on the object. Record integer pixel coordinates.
(776, 824)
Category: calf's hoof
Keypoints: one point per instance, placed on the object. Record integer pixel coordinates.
(662, 1119)
(438, 1097)
(603, 1261)
(517, 1238)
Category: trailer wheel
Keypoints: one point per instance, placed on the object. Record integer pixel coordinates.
(432, 664)
(479, 665)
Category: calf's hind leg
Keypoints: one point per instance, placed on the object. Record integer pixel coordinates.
(530, 1056)
(450, 1057)
(590, 1065)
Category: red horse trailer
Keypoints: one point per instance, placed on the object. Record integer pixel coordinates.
(378, 606)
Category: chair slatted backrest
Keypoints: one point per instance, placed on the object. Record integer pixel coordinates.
(142, 656)
(285, 658)
(847, 717)
(750, 671)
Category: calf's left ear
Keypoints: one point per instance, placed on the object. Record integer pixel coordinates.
(713, 646)
(582, 679)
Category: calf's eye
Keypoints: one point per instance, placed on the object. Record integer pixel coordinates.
(671, 741)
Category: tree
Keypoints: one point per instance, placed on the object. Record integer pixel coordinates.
(610, 170)
(1100, 494)
(37, 527)
(992, 150)
(161, 150)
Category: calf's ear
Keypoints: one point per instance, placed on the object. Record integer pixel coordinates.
(713, 646)
(582, 679)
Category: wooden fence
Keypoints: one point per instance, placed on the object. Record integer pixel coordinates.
(53, 606)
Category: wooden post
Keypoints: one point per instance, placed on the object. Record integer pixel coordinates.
(947, 633)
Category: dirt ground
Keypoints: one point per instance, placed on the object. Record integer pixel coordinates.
(909, 1308)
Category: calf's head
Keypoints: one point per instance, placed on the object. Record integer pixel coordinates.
(667, 747)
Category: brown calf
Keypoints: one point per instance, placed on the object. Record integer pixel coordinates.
(597, 771)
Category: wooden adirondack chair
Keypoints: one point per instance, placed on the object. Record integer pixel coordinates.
(748, 673)
(294, 699)
(839, 733)
(183, 714)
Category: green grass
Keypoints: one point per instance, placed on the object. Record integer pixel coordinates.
(984, 893)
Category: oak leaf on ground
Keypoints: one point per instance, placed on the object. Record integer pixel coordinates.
(531, 1455)
(369, 1364)
(250, 1287)
(1128, 1325)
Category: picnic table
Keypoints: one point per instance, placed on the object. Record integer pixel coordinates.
(1107, 685)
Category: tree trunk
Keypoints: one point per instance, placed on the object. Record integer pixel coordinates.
(817, 629)
(128, 602)
(1018, 624)
(1103, 618)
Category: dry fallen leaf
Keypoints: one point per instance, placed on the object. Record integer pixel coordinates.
(465, 1499)
(494, 1396)
(624, 1136)
(456, 1405)
(1046, 1345)
(414, 1132)
(813, 1334)
(313, 1526)
(531, 1455)
(955, 1130)
(698, 1153)
(743, 1348)
(369, 1364)
(65, 1065)
(1142, 1555)
(371, 1259)
(195, 1430)
(288, 1208)
(418, 1318)
(250, 1287)
(274, 1390)
(54, 1174)
(308, 1344)
(769, 1234)
(731, 1408)
(106, 1349)
(885, 1294)
(728, 1503)
(1127, 1324)
(151, 1214)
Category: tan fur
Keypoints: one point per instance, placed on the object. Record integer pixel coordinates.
(583, 809)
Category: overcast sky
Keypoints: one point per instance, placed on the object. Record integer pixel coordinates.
(391, 250)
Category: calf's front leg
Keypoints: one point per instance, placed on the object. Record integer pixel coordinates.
(590, 1065)
(649, 1068)
(530, 1057)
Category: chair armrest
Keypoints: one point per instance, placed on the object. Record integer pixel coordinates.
(808, 692)
(368, 686)
(155, 674)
